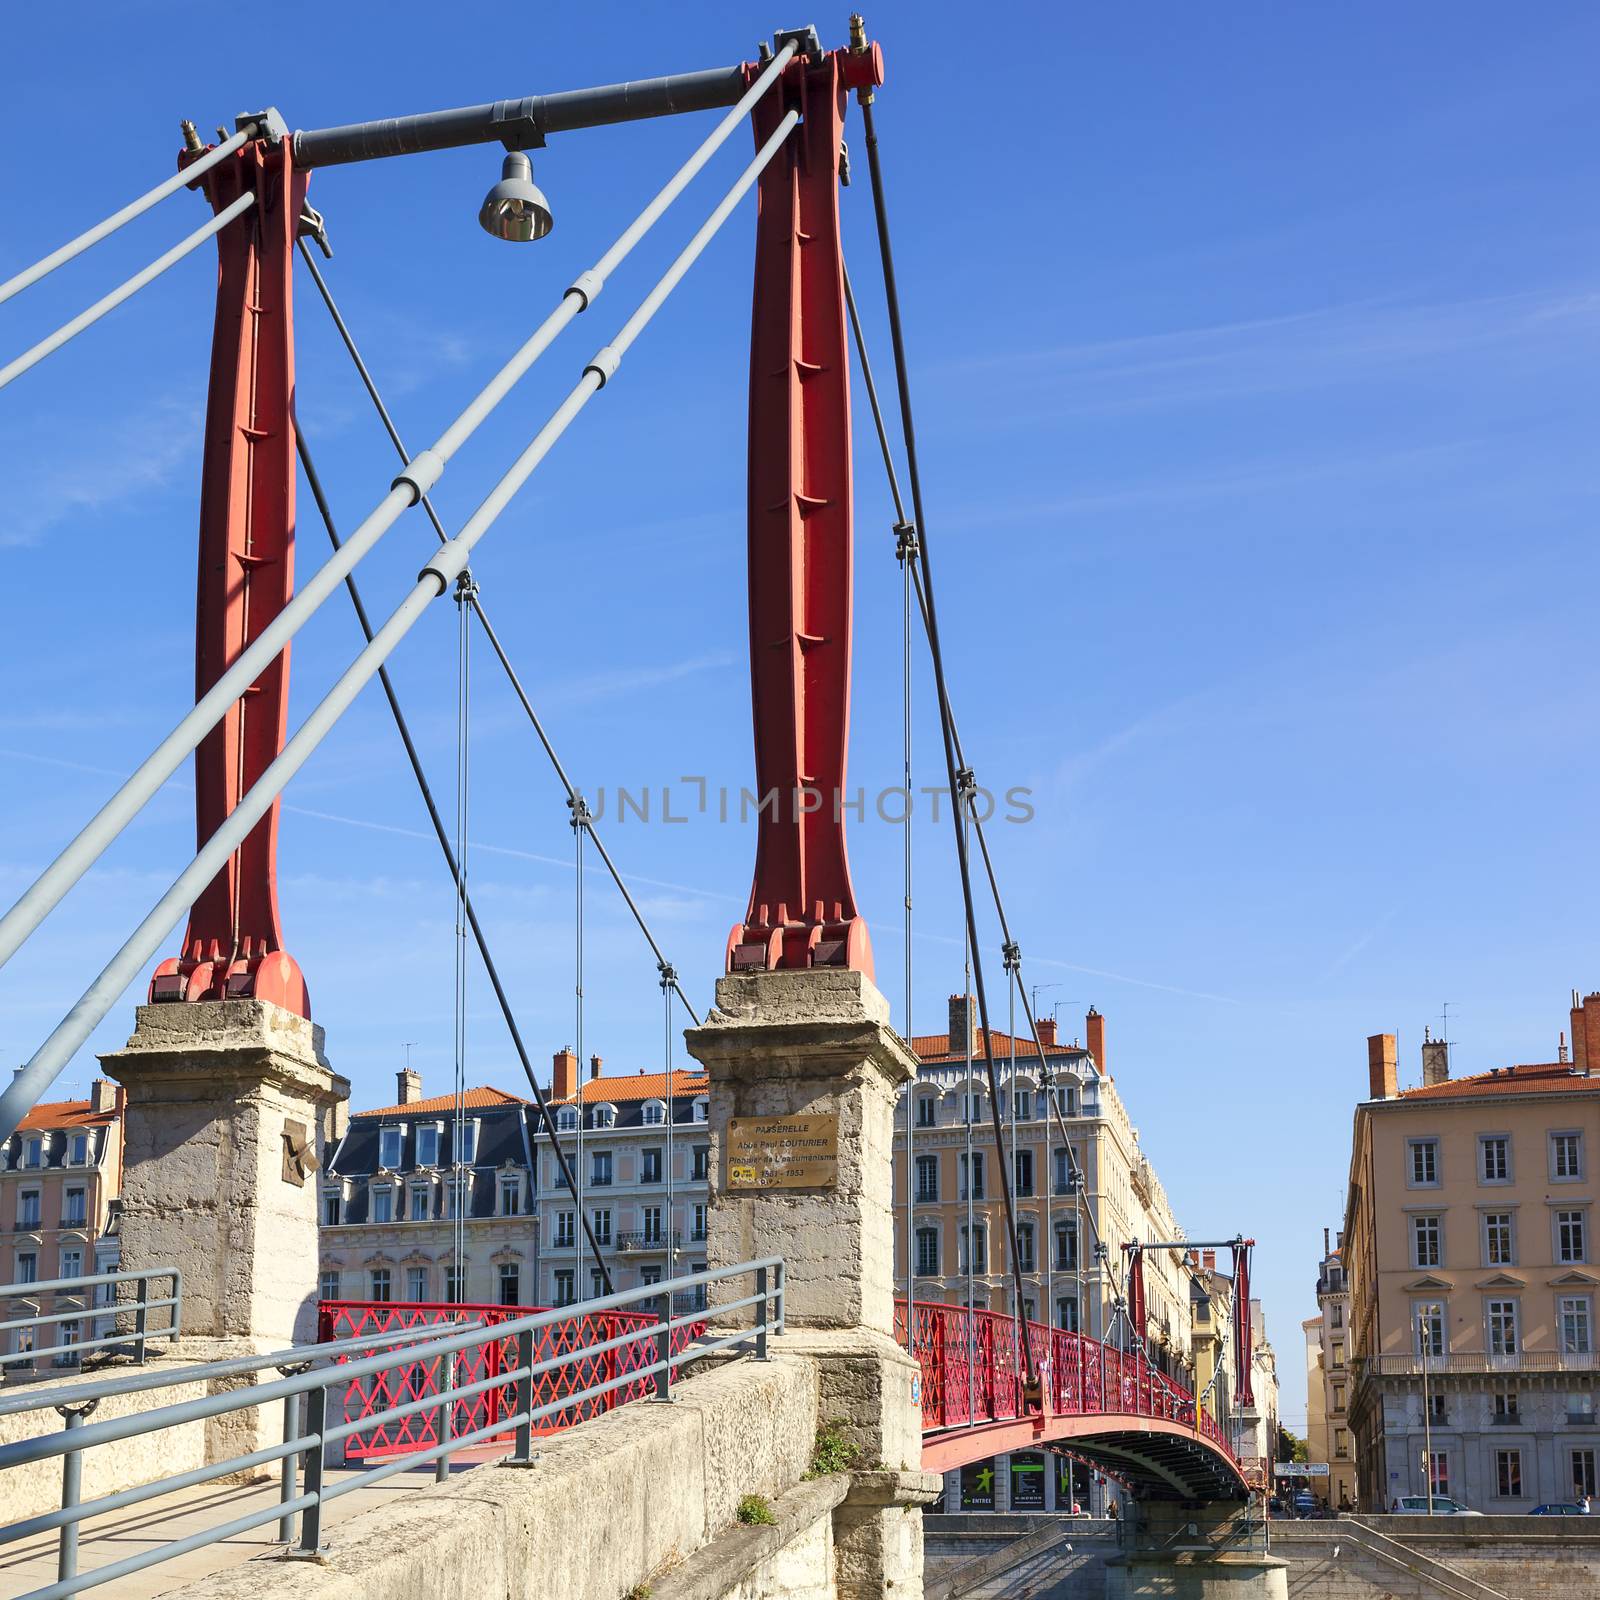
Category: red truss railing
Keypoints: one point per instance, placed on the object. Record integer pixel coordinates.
(972, 1373)
(416, 1380)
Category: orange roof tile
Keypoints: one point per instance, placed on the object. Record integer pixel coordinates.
(65, 1114)
(618, 1089)
(482, 1098)
(1543, 1077)
(936, 1046)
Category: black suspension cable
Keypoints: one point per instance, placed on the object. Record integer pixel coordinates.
(404, 730)
(959, 777)
(493, 637)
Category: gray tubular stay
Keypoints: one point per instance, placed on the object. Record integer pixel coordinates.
(53, 883)
(90, 236)
(70, 330)
(436, 577)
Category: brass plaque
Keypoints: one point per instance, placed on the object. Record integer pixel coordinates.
(783, 1152)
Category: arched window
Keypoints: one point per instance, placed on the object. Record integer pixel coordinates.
(603, 1117)
(654, 1112)
(566, 1119)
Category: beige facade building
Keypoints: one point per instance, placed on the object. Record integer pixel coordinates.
(1328, 1373)
(1469, 1252)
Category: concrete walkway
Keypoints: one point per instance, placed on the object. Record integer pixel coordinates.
(31, 1563)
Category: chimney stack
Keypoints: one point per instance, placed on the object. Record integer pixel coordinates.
(1047, 1031)
(1435, 1059)
(594, 1067)
(1580, 1034)
(1382, 1080)
(408, 1085)
(564, 1079)
(102, 1096)
(1208, 1260)
(963, 1024)
(1561, 1045)
(1325, 1250)
(1094, 1036)
(1586, 1045)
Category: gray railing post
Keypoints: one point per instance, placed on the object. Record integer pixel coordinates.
(140, 1319)
(663, 1344)
(761, 1311)
(315, 1453)
(522, 1454)
(441, 1465)
(777, 1286)
(71, 1492)
(289, 1466)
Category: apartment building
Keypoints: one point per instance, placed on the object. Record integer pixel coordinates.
(60, 1187)
(1328, 1374)
(957, 1233)
(640, 1148)
(1469, 1254)
(393, 1189)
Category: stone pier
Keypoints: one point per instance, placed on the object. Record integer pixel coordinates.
(817, 1045)
(1189, 1552)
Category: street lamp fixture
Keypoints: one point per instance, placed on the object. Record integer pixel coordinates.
(515, 208)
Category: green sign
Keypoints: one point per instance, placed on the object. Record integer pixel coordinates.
(977, 1486)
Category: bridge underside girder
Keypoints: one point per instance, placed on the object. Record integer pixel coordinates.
(1157, 1460)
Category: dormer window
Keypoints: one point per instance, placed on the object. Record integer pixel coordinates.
(700, 1109)
(567, 1119)
(428, 1144)
(79, 1155)
(389, 1147)
(603, 1117)
(421, 1204)
(33, 1153)
(382, 1202)
(469, 1144)
(654, 1112)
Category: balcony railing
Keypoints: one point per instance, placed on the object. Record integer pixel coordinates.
(1463, 1361)
(656, 1240)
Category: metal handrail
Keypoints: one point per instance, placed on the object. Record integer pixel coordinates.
(139, 1308)
(305, 1445)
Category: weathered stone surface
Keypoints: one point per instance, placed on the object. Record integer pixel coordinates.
(1188, 1577)
(211, 1089)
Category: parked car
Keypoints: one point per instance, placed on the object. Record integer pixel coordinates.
(1303, 1503)
(1558, 1508)
(1416, 1505)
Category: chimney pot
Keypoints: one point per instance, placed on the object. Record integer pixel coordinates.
(594, 1067)
(1325, 1241)
(963, 1027)
(1094, 1036)
(1047, 1031)
(408, 1084)
(1382, 1078)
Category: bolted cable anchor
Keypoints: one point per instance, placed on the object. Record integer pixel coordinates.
(669, 975)
(466, 587)
(1011, 956)
(966, 786)
(582, 817)
(906, 545)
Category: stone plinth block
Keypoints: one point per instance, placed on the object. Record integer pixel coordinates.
(1238, 1576)
(813, 1043)
(230, 1108)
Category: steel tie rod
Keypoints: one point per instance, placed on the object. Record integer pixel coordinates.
(419, 476)
(476, 602)
(435, 578)
(124, 291)
(101, 230)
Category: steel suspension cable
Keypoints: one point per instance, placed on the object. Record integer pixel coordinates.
(959, 778)
(563, 1168)
(435, 579)
(459, 1170)
(420, 475)
(478, 611)
(124, 291)
(580, 826)
(101, 230)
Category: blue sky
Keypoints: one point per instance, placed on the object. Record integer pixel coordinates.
(1254, 354)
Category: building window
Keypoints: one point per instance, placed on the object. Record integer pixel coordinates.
(1498, 1246)
(600, 1169)
(28, 1209)
(1566, 1157)
(1024, 1185)
(421, 1202)
(332, 1209)
(389, 1148)
(469, 1144)
(452, 1285)
(1502, 1315)
(927, 1110)
(1025, 1261)
(382, 1203)
(1504, 1408)
(652, 1224)
(428, 1144)
(33, 1153)
(1341, 1444)
(1580, 1407)
(1337, 1362)
(328, 1284)
(1425, 1241)
(567, 1119)
(1439, 1472)
(654, 1113)
(72, 1263)
(972, 1109)
(27, 1267)
(927, 1179)
(1577, 1318)
(1494, 1158)
(74, 1211)
(510, 1283)
(603, 1117)
(1336, 1315)
(597, 1282)
(974, 1250)
(697, 1229)
(1427, 1317)
(701, 1168)
(1436, 1408)
(1571, 1245)
(650, 1166)
(1067, 1313)
(1423, 1155)
(565, 1232)
(648, 1275)
(700, 1110)
(1583, 1478)
(379, 1278)
(1066, 1247)
(416, 1284)
(975, 1162)
(1063, 1172)
(511, 1197)
(600, 1220)
(565, 1294)
(1338, 1397)
(928, 1252)
(1023, 1106)
(1508, 1474)
(80, 1150)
